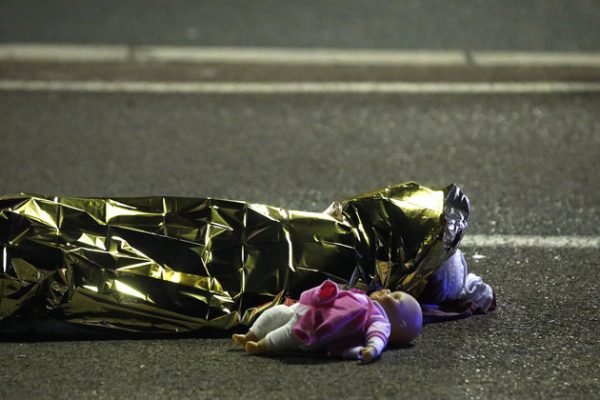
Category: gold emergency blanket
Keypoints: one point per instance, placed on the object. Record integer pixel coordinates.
(174, 264)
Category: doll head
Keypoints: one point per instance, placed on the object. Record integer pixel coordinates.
(404, 314)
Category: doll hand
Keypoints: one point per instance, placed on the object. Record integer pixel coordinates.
(367, 354)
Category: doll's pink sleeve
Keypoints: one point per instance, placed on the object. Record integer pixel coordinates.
(378, 325)
(377, 333)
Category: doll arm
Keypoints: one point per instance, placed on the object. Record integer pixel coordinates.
(378, 329)
(377, 334)
(366, 353)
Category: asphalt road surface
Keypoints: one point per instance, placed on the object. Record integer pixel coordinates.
(561, 25)
(528, 161)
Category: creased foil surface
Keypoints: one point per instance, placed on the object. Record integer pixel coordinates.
(174, 264)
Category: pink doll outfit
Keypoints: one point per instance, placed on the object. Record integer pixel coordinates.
(326, 318)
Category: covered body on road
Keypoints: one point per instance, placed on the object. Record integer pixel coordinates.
(175, 264)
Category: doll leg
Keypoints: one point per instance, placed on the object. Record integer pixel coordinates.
(268, 321)
(279, 340)
(271, 319)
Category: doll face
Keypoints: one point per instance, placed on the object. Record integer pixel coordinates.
(403, 312)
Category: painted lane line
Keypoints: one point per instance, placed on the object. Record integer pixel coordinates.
(299, 56)
(229, 55)
(518, 241)
(535, 59)
(300, 87)
(64, 53)
(56, 52)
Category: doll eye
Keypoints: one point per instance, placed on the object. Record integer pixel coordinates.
(397, 296)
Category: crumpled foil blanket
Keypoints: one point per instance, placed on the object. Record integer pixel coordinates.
(175, 264)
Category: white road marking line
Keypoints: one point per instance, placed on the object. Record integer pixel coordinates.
(518, 241)
(298, 56)
(535, 59)
(300, 87)
(63, 53)
(56, 52)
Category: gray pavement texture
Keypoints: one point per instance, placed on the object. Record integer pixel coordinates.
(528, 162)
(557, 25)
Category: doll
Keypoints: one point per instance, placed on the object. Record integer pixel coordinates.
(343, 323)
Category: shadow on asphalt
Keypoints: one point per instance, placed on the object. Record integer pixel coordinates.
(57, 331)
(303, 358)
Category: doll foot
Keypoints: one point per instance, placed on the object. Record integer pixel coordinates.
(255, 348)
(243, 339)
(239, 339)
